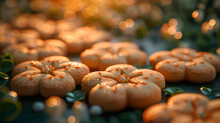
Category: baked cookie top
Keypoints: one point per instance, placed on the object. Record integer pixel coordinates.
(52, 76)
(83, 38)
(123, 85)
(186, 64)
(184, 107)
(105, 54)
(36, 50)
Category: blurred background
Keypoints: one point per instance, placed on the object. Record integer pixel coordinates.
(155, 24)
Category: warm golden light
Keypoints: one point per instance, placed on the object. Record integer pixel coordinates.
(212, 22)
(77, 104)
(171, 30)
(173, 22)
(13, 94)
(195, 14)
(178, 35)
(53, 101)
(71, 119)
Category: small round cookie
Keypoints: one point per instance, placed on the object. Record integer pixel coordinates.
(52, 76)
(83, 38)
(184, 107)
(36, 50)
(105, 54)
(213, 111)
(182, 64)
(121, 86)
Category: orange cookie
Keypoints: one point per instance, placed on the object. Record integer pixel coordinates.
(52, 76)
(184, 107)
(186, 64)
(105, 54)
(36, 50)
(83, 38)
(121, 86)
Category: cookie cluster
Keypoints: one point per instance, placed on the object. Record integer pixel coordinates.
(186, 64)
(185, 107)
(105, 54)
(52, 76)
(121, 86)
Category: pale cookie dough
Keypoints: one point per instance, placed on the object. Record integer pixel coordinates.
(52, 76)
(121, 86)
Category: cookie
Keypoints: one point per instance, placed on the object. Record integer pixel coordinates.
(25, 35)
(6, 41)
(121, 86)
(83, 38)
(184, 107)
(52, 76)
(105, 54)
(36, 50)
(182, 64)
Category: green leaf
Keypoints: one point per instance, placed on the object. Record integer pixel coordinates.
(210, 93)
(216, 93)
(6, 65)
(3, 79)
(75, 96)
(173, 90)
(10, 109)
(206, 91)
(143, 67)
(6, 56)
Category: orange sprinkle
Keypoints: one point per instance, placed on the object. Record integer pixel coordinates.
(77, 67)
(117, 79)
(176, 64)
(69, 64)
(116, 69)
(32, 63)
(48, 60)
(128, 77)
(31, 77)
(158, 78)
(100, 78)
(50, 77)
(167, 61)
(26, 66)
(139, 71)
(42, 69)
(69, 72)
(114, 89)
(34, 72)
(61, 76)
(144, 83)
(201, 62)
(101, 86)
(151, 74)
(145, 77)
(123, 75)
(24, 74)
(99, 73)
(194, 63)
(125, 67)
(66, 68)
(158, 56)
(119, 76)
(51, 68)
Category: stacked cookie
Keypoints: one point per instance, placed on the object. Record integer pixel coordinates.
(105, 54)
(186, 64)
(186, 107)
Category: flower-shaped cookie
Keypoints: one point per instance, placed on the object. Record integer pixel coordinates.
(52, 76)
(83, 38)
(184, 108)
(36, 50)
(123, 85)
(105, 54)
(186, 64)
